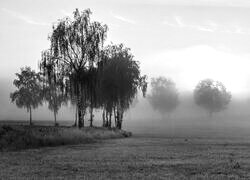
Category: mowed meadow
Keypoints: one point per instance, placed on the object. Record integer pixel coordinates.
(138, 157)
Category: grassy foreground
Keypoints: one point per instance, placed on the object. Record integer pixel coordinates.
(136, 158)
(14, 137)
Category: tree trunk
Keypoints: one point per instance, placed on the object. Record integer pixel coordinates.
(106, 119)
(80, 110)
(55, 118)
(76, 117)
(103, 118)
(119, 116)
(80, 122)
(115, 117)
(80, 107)
(120, 127)
(91, 117)
(110, 116)
(119, 124)
(83, 116)
(30, 116)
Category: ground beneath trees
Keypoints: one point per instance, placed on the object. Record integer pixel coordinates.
(138, 157)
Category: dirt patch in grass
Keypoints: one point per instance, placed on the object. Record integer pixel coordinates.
(15, 137)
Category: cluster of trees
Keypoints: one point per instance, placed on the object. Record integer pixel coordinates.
(77, 68)
(208, 94)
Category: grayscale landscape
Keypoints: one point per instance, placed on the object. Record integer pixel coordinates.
(125, 89)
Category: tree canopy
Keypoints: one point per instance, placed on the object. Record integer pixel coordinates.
(75, 48)
(212, 96)
(164, 95)
(29, 93)
(120, 80)
(90, 75)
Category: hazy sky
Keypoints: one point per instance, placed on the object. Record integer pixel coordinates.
(186, 40)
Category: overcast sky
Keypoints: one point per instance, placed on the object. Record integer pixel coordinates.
(186, 40)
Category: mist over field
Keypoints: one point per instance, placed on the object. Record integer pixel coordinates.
(187, 120)
(191, 120)
(186, 41)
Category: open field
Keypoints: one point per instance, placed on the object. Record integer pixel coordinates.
(138, 157)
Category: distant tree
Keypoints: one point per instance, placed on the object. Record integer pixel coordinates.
(75, 48)
(212, 96)
(164, 96)
(29, 93)
(55, 98)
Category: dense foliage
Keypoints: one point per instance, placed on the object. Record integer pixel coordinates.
(78, 67)
(119, 82)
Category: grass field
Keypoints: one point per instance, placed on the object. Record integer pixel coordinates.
(138, 157)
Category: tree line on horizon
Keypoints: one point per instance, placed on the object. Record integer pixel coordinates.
(78, 69)
(209, 94)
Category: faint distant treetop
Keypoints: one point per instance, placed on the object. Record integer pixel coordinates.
(212, 96)
(164, 96)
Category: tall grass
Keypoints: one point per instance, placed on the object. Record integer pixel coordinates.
(21, 137)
